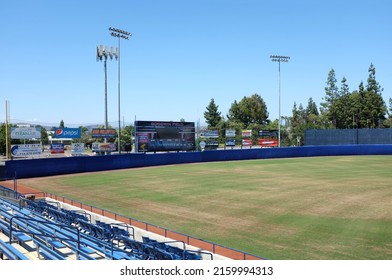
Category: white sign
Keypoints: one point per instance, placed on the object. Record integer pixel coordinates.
(247, 133)
(77, 148)
(26, 150)
(103, 147)
(230, 133)
(25, 132)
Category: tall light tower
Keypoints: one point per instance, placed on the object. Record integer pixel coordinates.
(7, 130)
(279, 59)
(124, 35)
(102, 54)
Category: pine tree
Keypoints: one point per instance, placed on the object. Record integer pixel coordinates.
(311, 108)
(211, 115)
(331, 94)
(375, 102)
(297, 125)
(312, 115)
(390, 113)
(363, 112)
(343, 107)
(390, 107)
(373, 85)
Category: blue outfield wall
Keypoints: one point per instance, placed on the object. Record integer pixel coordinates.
(362, 136)
(57, 166)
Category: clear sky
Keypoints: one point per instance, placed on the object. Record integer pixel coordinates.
(182, 54)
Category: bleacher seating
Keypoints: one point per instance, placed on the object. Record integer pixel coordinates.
(10, 252)
(47, 231)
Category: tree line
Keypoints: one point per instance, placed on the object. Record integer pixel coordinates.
(340, 109)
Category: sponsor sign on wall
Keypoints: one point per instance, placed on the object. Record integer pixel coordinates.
(64, 132)
(230, 142)
(103, 133)
(246, 142)
(268, 138)
(268, 143)
(77, 148)
(57, 148)
(103, 147)
(26, 150)
(230, 133)
(247, 133)
(209, 134)
(25, 132)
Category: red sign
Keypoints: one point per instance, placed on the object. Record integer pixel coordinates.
(57, 148)
(247, 133)
(103, 133)
(268, 142)
(247, 142)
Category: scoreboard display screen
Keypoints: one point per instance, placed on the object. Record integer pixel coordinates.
(161, 136)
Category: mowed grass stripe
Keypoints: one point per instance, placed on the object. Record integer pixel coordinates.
(297, 208)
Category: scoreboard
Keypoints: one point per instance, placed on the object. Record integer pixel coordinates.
(156, 136)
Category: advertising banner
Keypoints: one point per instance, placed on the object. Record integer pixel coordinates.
(65, 132)
(246, 142)
(103, 147)
(268, 142)
(230, 133)
(77, 149)
(268, 133)
(57, 148)
(212, 144)
(268, 138)
(209, 134)
(247, 133)
(230, 142)
(103, 133)
(25, 132)
(26, 150)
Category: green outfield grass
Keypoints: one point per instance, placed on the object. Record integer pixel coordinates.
(297, 208)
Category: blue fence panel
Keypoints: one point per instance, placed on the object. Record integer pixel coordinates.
(57, 166)
(348, 136)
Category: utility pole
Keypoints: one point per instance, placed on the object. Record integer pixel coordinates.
(279, 59)
(124, 35)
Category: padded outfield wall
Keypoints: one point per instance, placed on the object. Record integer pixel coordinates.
(317, 137)
(58, 166)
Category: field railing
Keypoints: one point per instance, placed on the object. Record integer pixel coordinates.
(167, 233)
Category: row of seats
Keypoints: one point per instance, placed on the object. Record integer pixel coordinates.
(57, 233)
(154, 250)
(49, 239)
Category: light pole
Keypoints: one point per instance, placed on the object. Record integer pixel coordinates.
(279, 59)
(7, 130)
(125, 35)
(102, 54)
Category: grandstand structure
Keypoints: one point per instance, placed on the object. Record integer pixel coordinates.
(42, 228)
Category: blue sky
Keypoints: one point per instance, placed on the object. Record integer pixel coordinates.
(182, 54)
